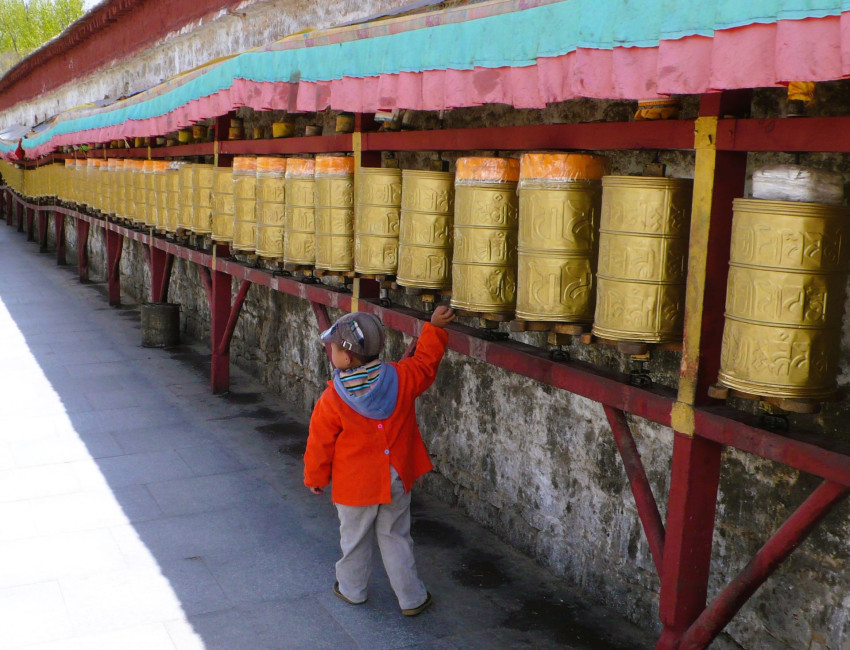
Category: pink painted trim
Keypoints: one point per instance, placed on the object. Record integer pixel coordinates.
(810, 49)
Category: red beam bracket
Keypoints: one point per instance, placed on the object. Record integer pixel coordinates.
(83, 249)
(114, 246)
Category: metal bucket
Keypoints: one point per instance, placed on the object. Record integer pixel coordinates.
(560, 198)
(335, 213)
(160, 324)
(376, 220)
(484, 262)
(425, 230)
(643, 251)
(299, 241)
(785, 298)
(222, 214)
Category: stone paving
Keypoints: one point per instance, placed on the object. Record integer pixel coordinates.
(139, 511)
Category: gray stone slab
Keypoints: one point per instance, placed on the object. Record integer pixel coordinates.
(210, 459)
(161, 438)
(31, 614)
(65, 448)
(143, 468)
(37, 482)
(212, 492)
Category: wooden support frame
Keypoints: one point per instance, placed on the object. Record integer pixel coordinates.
(114, 247)
(161, 263)
(83, 248)
(41, 219)
(30, 222)
(59, 225)
(681, 546)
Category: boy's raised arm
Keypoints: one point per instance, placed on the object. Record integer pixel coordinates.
(422, 366)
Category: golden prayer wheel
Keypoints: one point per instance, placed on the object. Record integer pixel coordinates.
(128, 176)
(560, 197)
(335, 213)
(299, 241)
(643, 253)
(149, 170)
(173, 205)
(244, 203)
(785, 298)
(283, 129)
(425, 230)
(270, 206)
(199, 132)
(222, 214)
(202, 182)
(376, 220)
(140, 195)
(160, 194)
(185, 218)
(484, 261)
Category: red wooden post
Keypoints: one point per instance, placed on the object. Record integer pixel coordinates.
(83, 249)
(9, 212)
(59, 225)
(114, 246)
(20, 217)
(695, 475)
(30, 224)
(42, 230)
(161, 263)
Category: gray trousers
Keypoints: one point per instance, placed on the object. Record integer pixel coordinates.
(389, 523)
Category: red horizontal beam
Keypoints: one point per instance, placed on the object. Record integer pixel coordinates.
(811, 453)
(831, 134)
(673, 134)
(314, 144)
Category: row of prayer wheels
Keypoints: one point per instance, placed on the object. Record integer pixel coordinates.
(548, 237)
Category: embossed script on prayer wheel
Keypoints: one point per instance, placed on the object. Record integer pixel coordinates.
(335, 213)
(222, 212)
(187, 186)
(425, 231)
(299, 240)
(484, 262)
(245, 203)
(270, 206)
(643, 250)
(784, 298)
(560, 198)
(376, 220)
(157, 197)
(172, 196)
(202, 182)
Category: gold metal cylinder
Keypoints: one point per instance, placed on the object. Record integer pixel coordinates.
(202, 182)
(140, 194)
(299, 241)
(270, 206)
(335, 213)
(560, 198)
(643, 251)
(785, 298)
(172, 196)
(484, 258)
(159, 202)
(222, 213)
(245, 204)
(185, 219)
(376, 220)
(425, 229)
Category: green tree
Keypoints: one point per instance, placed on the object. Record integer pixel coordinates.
(25, 25)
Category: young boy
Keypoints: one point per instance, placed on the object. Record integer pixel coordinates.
(364, 437)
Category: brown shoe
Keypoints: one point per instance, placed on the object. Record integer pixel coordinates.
(418, 610)
(340, 595)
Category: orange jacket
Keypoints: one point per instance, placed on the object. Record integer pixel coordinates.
(357, 451)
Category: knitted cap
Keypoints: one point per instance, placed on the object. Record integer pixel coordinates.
(359, 333)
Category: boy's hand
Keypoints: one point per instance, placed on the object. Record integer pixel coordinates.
(442, 316)
(316, 490)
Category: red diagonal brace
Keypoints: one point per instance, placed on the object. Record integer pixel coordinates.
(114, 247)
(41, 215)
(59, 225)
(783, 542)
(83, 249)
(161, 263)
(647, 507)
